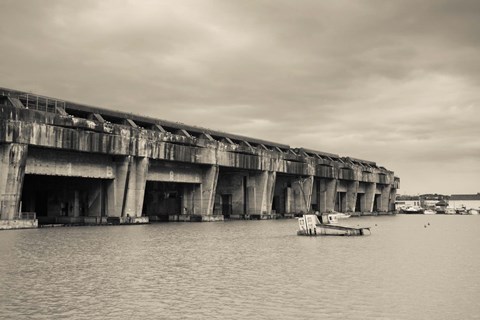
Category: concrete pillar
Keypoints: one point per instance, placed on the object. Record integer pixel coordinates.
(135, 193)
(260, 190)
(270, 192)
(369, 196)
(126, 193)
(204, 194)
(76, 204)
(95, 200)
(141, 173)
(13, 158)
(116, 189)
(256, 184)
(384, 198)
(302, 194)
(352, 189)
(326, 194)
(391, 200)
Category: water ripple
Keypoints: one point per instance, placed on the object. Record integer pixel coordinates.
(243, 269)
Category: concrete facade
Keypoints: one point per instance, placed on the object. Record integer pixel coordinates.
(67, 162)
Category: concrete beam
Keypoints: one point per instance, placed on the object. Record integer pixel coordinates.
(174, 172)
(159, 128)
(72, 164)
(60, 111)
(183, 132)
(130, 123)
(97, 117)
(206, 136)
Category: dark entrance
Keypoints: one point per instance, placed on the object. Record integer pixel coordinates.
(57, 199)
(163, 199)
(341, 202)
(376, 202)
(226, 205)
(358, 203)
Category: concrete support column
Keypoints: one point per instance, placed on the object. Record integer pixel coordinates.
(327, 191)
(204, 194)
(352, 189)
(270, 191)
(383, 206)
(96, 200)
(141, 173)
(369, 196)
(136, 187)
(302, 194)
(127, 191)
(289, 208)
(260, 190)
(76, 204)
(391, 200)
(256, 184)
(13, 158)
(116, 189)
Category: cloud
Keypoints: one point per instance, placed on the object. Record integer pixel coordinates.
(394, 82)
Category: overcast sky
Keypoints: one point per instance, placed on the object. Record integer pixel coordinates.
(395, 82)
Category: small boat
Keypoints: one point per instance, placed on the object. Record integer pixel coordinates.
(311, 225)
(440, 210)
(333, 217)
(449, 210)
(473, 211)
(429, 211)
(413, 210)
(339, 215)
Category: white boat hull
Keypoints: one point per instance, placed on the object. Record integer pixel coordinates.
(310, 225)
(334, 230)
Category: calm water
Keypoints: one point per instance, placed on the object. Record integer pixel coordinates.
(244, 270)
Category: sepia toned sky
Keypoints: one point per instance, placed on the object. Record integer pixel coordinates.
(395, 82)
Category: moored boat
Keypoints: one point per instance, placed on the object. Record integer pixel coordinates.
(339, 215)
(326, 225)
(412, 210)
(429, 211)
(449, 210)
(473, 211)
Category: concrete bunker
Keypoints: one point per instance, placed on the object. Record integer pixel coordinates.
(231, 197)
(68, 187)
(292, 195)
(179, 192)
(244, 194)
(66, 200)
(166, 200)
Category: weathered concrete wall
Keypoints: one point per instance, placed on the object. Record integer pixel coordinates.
(70, 164)
(18, 224)
(174, 172)
(232, 184)
(12, 171)
(207, 168)
(326, 193)
(302, 195)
